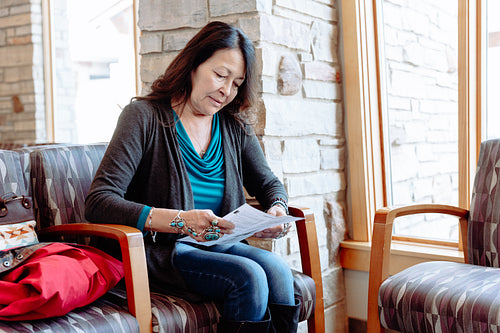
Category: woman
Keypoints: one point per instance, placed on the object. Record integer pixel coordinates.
(179, 159)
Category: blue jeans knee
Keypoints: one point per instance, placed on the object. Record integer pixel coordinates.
(239, 282)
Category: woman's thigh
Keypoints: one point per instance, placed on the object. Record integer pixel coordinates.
(239, 282)
(278, 273)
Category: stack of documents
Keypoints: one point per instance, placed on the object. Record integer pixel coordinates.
(247, 221)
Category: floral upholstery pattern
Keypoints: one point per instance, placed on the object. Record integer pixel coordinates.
(454, 297)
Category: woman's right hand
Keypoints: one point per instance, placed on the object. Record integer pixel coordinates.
(197, 221)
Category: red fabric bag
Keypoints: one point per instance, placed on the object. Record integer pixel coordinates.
(56, 279)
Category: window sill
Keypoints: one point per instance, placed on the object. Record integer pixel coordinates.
(356, 255)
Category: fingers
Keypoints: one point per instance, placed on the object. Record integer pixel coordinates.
(274, 232)
(277, 210)
(225, 225)
(270, 232)
(204, 225)
(206, 218)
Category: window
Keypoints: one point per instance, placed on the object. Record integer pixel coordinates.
(433, 45)
(92, 67)
(420, 129)
(491, 70)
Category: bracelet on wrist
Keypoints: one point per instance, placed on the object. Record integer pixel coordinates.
(281, 202)
(178, 222)
(150, 221)
(182, 227)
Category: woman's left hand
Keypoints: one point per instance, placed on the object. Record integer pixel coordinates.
(276, 231)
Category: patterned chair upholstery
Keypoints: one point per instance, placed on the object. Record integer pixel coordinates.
(11, 175)
(444, 296)
(101, 316)
(24, 156)
(60, 176)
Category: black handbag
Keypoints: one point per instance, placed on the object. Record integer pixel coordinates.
(15, 209)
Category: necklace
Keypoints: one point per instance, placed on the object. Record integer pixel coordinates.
(201, 151)
(200, 148)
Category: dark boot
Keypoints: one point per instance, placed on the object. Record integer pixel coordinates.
(284, 318)
(246, 326)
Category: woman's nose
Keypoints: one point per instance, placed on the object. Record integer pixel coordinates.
(226, 88)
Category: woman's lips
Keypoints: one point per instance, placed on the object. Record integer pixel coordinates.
(216, 102)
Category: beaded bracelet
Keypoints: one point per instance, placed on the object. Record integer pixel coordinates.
(282, 202)
(150, 219)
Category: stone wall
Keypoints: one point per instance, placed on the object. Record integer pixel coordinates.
(22, 117)
(299, 114)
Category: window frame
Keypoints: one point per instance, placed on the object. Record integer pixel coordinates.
(363, 79)
(48, 61)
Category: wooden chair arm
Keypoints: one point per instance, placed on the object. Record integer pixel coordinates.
(133, 257)
(309, 255)
(381, 247)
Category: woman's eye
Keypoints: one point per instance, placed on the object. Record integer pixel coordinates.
(219, 76)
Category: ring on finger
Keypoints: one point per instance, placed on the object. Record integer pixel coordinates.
(212, 233)
(286, 229)
(214, 222)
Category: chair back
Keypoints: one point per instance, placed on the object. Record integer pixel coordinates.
(24, 156)
(61, 178)
(11, 174)
(483, 239)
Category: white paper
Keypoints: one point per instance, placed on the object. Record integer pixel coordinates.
(247, 221)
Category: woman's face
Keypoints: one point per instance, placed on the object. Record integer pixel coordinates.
(215, 82)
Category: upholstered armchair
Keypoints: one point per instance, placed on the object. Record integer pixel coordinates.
(103, 315)
(443, 296)
(58, 177)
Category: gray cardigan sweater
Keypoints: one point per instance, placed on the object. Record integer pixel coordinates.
(143, 166)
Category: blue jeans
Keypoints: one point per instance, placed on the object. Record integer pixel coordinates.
(243, 277)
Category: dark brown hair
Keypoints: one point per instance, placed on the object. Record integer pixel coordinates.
(175, 83)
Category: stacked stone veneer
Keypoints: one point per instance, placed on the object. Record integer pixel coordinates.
(299, 116)
(22, 117)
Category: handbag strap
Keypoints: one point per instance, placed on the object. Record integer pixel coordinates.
(10, 196)
(6, 197)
